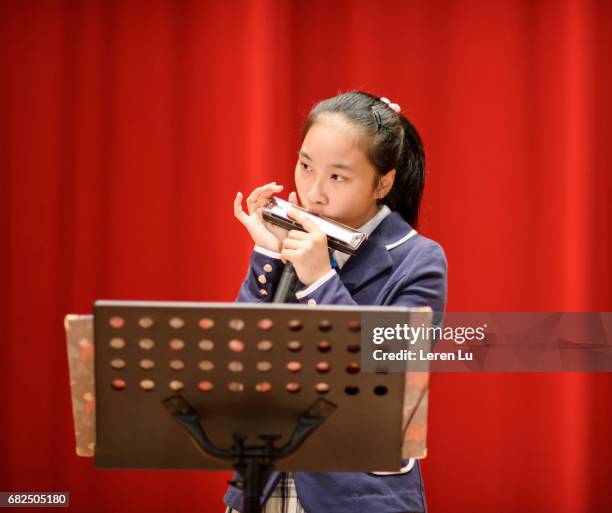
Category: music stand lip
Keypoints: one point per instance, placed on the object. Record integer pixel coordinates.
(262, 306)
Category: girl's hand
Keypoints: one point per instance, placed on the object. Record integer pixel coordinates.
(307, 251)
(263, 233)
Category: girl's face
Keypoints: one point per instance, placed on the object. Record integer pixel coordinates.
(333, 176)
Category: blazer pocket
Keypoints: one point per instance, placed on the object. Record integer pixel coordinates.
(404, 470)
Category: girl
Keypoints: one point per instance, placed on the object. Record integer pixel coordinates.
(361, 163)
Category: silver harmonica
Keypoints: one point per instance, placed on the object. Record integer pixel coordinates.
(339, 236)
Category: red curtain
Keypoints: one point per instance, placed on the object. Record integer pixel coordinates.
(127, 127)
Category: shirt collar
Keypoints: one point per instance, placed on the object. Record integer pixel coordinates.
(367, 228)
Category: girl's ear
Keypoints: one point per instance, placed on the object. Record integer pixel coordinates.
(385, 183)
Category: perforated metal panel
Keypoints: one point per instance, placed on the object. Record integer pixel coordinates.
(246, 368)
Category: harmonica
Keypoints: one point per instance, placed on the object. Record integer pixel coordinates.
(339, 236)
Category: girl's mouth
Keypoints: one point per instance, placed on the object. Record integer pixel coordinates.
(313, 211)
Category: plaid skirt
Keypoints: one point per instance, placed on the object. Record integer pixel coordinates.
(283, 499)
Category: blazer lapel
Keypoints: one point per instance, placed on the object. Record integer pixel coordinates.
(373, 258)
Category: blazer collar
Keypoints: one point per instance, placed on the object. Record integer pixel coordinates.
(373, 257)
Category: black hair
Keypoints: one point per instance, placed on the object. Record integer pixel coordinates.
(390, 142)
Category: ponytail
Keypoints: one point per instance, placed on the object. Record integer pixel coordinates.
(407, 191)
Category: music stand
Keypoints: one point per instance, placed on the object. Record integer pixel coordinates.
(219, 376)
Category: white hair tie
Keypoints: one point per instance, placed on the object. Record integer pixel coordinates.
(392, 106)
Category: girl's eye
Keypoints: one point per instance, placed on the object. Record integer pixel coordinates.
(338, 178)
(305, 166)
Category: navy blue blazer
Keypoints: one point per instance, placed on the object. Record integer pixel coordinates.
(395, 266)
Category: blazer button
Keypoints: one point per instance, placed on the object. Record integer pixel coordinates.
(267, 268)
(263, 292)
(312, 302)
(261, 279)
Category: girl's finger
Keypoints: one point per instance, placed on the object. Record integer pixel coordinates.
(265, 189)
(238, 204)
(260, 203)
(309, 225)
(255, 193)
(292, 244)
(252, 200)
(297, 235)
(261, 195)
(288, 254)
(238, 212)
(293, 198)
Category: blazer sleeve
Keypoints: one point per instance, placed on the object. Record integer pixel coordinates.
(419, 280)
(262, 276)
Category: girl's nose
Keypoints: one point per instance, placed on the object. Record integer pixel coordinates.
(316, 194)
